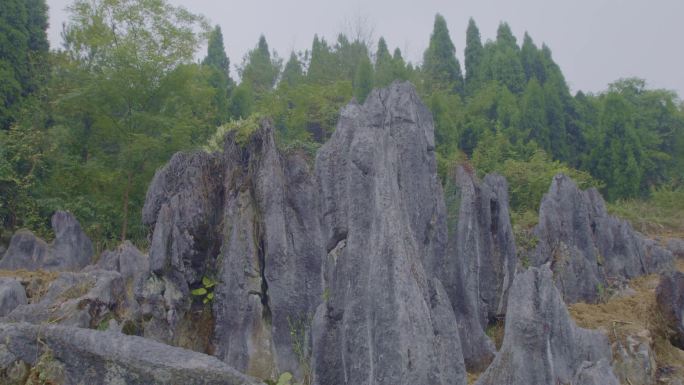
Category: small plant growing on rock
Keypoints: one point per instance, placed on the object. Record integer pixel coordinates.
(284, 379)
(206, 291)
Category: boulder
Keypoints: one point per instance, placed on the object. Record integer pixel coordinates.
(12, 294)
(588, 249)
(86, 300)
(383, 221)
(81, 356)
(127, 260)
(670, 299)
(71, 250)
(542, 345)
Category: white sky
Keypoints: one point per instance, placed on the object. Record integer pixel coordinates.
(594, 41)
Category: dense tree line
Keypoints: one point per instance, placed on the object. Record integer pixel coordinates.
(85, 127)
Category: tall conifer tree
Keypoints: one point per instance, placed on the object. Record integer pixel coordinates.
(440, 65)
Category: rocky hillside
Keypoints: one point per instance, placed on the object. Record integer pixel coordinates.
(351, 268)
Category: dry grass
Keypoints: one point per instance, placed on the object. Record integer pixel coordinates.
(35, 282)
(472, 377)
(623, 316)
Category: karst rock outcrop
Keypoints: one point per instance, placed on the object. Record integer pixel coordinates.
(242, 218)
(385, 320)
(670, 299)
(67, 355)
(542, 345)
(354, 266)
(588, 249)
(480, 263)
(71, 250)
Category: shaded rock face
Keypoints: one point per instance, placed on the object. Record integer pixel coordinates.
(481, 259)
(670, 299)
(82, 356)
(588, 249)
(71, 249)
(384, 321)
(542, 345)
(243, 218)
(12, 294)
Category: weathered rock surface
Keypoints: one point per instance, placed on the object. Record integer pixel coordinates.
(383, 220)
(91, 357)
(12, 294)
(481, 259)
(127, 260)
(588, 249)
(71, 249)
(542, 345)
(245, 219)
(86, 300)
(676, 247)
(634, 359)
(271, 257)
(670, 299)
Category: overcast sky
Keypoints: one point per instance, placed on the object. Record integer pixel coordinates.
(594, 41)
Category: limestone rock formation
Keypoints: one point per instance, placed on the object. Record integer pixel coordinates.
(670, 299)
(590, 250)
(676, 246)
(244, 219)
(127, 260)
(635, 358)
(542, 345)
(86, 300)
(82, 356)
(12, 294)
(383, 221)
(71, 249)
(481, 261)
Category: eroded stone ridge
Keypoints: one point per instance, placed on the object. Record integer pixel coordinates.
(588, 249)
(82, 356)
(481, 259)
(542, 345)
(243, 218)
(71, 249)
(383, 220)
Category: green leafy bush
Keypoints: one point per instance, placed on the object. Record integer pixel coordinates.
(206, 290)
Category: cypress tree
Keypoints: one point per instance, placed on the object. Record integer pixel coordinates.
(292, 74)
(440, 65)
(321, 67)
(363, 80)
(505, 64)
(384, 65)
(401, 70)
(260, 70)
(218, 63)
(14, 54)
(473, 57)
(533, 115)
(504, 36)
(531, 61)
(216, 53)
